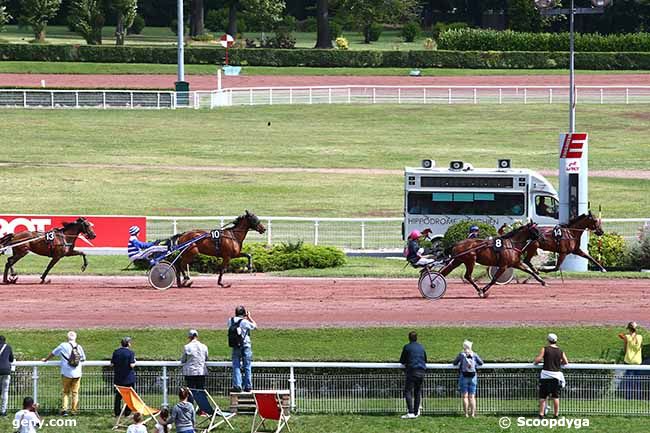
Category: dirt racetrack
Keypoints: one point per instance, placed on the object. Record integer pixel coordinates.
(121, 302)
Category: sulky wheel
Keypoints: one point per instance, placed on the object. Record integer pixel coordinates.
(504, 278)
(162, 275)
(432, 285)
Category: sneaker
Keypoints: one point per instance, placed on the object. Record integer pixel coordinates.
(64, 413)
(235, 389)
(203, 413)
(247, 389)
(409, 416)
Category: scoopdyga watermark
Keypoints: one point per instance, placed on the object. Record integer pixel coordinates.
(550, 423)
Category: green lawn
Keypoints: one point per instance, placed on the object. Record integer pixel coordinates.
(367, 137)
(597, 344)
(140, 68)
(102, 423)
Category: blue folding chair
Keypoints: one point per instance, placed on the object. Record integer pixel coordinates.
(216, 417)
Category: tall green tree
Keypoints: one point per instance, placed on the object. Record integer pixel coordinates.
(265, 13)
(368, 12)
(323, 38)
(125, 12)
(37, 13)
(4, 16)
(87, 17)
(523, 16)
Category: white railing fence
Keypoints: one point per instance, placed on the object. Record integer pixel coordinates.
(322, 387)
(422, 95)
(347, 233)
(139, 99)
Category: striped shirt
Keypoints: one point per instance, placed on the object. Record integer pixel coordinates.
(135, 246)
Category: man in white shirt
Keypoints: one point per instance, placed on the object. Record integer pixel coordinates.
(195, 355)
(27, 419)
(72, 355)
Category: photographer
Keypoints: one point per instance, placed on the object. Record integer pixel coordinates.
(27, 420)
(467, 361)
(239, 339)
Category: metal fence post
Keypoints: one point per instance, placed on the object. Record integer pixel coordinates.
(270, 96)
(292, 388)
(52, 98)
(550, 95)
(290, 95)
(627, 95)
(449, 95)
(399, 95)
(35, 383)
(158, 100)
(24, 99)
(349, 95)
(425, 95)
(329, 95)
(374, 95)
(165, 383)
(475, 96)
(104, 100)
(316, 232)
(601, 95)
(500, 95)
(76, 99)
(363, 235)
(269, 238)
(310, 96)
(525, 96)
(250, 96)
(175, 226)
(131, 94)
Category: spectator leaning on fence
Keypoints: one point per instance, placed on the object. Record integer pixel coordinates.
(27, 420)
(6, 360)
(633, 344)
(414, 359)
(72, 355)
(239, 339)
(467, 361)
(195, 355)
(551, 379)
(123, 363)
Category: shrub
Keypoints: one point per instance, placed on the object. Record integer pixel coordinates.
(429, 44)
(137, 26)
(640, 254)
(459, 231)
(307, 25)
(204, 37)
(411, 31)
(374, 32)
(216, 20)
(508, 40)
(283, 39)
(276, 258)
(289, 22)
(441, 27)
(610, 250)
(342, 43)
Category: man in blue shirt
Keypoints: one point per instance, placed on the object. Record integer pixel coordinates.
(414, 359)
(123, 362)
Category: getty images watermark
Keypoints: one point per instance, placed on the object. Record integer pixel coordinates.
(568, 423)
(45, 422)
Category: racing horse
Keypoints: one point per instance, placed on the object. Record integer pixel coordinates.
(57, 243)
(502, 252)
(231, 238)
(565, 240)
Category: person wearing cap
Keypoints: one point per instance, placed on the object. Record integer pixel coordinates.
(70, 374)
(123, 363)
(137, 249)
(193, 360)
(413, 251)
(551, 379)
(474, 232)
(242, 354)
(467, 361)
(414, 360)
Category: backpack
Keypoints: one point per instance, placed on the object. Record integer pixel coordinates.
(75, 357)
(235, 334)
(467, 365)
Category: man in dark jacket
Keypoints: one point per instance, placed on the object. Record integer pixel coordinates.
(6, 359)
(414, 359)
(123, 362)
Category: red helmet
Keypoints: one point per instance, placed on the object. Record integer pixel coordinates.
(415, 234)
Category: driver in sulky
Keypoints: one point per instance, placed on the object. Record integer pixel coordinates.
(414, 252)
(141, 250)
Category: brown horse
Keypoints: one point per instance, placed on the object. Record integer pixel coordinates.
(57, 243)
(503, 252)
(565, 240)
(230, 241)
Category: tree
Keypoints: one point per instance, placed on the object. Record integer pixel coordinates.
(323, 39)
(264, 13)
(126, 11)
(87, 17)
(4, 16)
(197, 26)
(523, 16)
(37, 13)
(366, 13)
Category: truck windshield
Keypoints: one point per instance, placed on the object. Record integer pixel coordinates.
(466, 203)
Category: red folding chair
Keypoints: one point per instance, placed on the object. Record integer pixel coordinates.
(268, 405)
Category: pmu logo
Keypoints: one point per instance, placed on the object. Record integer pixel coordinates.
(573, 145)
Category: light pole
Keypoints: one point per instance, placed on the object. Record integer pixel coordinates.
(182, 87)
(573, 167)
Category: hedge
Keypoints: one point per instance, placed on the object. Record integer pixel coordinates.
(327, 58)
(279, 257)
(508, 40)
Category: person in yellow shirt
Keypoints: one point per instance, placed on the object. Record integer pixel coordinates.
(633, 343)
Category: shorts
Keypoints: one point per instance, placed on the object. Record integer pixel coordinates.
(549, 388)
(467, 385)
